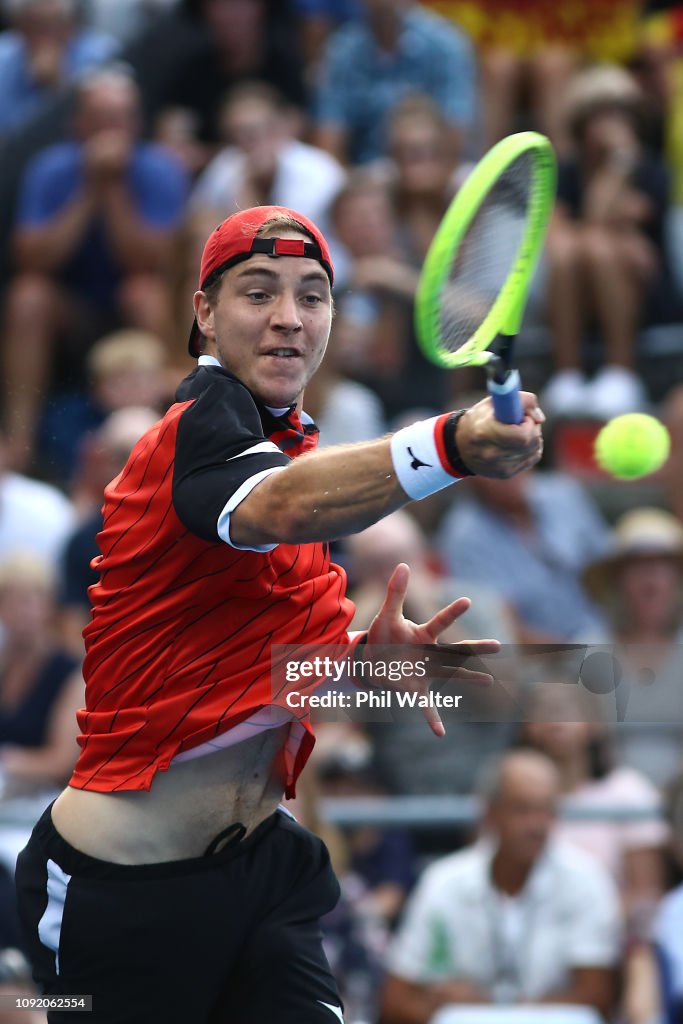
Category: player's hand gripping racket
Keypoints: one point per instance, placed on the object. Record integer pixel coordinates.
(476, 275)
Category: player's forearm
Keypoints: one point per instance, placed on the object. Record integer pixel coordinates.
(47, 247)
(345, 489)
(320, 496)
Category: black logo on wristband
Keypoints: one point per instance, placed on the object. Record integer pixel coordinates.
(416, 463)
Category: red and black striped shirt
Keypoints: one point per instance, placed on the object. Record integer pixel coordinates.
(178, 648)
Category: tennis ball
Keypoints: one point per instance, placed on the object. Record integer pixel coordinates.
(632, 446)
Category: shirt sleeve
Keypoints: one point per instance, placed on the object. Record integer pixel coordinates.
(50, 181)
(161, 187)
(221, 454)
(593, 936)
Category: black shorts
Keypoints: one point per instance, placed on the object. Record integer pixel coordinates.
(228, 938)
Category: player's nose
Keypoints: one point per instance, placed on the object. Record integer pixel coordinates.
(286, 313)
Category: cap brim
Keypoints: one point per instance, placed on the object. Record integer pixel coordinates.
(193, 341)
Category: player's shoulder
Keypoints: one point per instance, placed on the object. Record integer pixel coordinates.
(212, 384)
(212, 403)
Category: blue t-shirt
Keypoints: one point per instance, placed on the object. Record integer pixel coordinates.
(360, 84)
(21, 97)
(158, 185)
(337, 10)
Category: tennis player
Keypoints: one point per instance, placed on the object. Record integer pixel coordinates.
(164, 881)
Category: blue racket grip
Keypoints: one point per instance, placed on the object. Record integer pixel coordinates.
(506, 401)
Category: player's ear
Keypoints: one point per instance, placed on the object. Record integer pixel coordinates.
(203, 312)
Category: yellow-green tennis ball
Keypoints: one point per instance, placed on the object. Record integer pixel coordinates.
(632, 446)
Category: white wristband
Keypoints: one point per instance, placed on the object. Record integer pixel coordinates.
(420, 460)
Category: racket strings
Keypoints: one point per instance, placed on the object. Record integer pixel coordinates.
(486, 254)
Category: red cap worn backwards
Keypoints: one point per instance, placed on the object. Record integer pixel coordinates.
(236, 240)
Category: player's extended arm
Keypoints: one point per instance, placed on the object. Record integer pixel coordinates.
(344, 489)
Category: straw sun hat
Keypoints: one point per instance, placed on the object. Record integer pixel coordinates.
(642, 533)
(599, 88)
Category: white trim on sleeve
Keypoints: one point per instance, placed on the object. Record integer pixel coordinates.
(223, 525)
(262, 446)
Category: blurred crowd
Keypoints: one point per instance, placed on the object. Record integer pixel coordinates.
(128, 130)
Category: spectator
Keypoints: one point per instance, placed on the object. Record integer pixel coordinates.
(125, 19)
(127, 367)
(530, 541)
(427, 170)
(371, 64)
(668, 927)
(606, 248)
(375, 289)
(41, 686)
(45, 51)
(404, 762)
(103, 456)
(565, 723)
(639, 585)
(34, 516)
(96, 220)
(529, 50)
(240, 39)
(516, 918)
(263, 162)
(331, 394)
(317, 18)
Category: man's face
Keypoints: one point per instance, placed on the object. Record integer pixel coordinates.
(255, 128)
(524, 812)
(108, 105)
(271, 323)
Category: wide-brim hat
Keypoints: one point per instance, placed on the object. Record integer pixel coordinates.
(641, 533)
(236, 239)
(599, 88)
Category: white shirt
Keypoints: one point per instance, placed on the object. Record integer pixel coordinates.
(35, 518)
(458, 926)
(306, 179)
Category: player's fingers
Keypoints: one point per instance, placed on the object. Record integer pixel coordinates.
(531, 407)
(445, 617)
(432, 715)
(471, 676)
(396, 591)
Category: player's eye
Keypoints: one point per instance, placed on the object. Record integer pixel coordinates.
(312, 299)
(257, 295)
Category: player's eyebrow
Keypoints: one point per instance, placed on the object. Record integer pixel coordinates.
(313, 275)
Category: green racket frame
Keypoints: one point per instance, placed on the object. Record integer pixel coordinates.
(505, 315)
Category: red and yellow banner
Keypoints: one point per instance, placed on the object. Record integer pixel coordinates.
(601, 29)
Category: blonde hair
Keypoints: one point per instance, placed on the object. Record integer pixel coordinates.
(27, 567)
(282, 222)
(125, 350)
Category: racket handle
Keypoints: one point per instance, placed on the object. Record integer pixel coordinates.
(506, 401)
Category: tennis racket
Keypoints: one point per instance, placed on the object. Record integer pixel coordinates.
(475, 279)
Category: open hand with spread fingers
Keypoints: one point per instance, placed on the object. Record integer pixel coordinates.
(390, 627)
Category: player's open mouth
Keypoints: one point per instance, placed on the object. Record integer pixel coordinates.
(284, 353)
